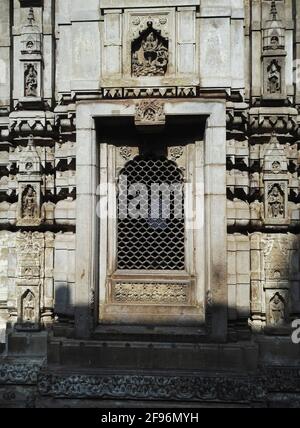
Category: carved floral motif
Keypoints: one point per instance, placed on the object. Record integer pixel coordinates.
(125, 152)
(151, 293)
(176, 152)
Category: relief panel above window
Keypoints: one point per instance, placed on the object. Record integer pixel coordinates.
(150, 47)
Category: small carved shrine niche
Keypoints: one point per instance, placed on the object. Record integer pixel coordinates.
(31, 61)
(28, 308)
(29, 203)
(276, 199)
(274, 57)
(29, 186)
(276, 180)
(277, 310)
(149, 53)
(274, 77)
(30, 81)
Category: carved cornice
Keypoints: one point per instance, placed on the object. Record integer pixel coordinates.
(152, 92)
(283, 121)
(28, 122)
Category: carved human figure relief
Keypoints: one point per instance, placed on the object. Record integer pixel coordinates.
(29, 203)
(275, 201)
(150, 53)
(28, 308)
(274, 77)
(277, 310)
(31, 81)
(274, 42)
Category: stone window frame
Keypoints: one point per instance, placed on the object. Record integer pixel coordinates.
(87, 223)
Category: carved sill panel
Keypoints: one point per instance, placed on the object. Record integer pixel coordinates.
(151, 293)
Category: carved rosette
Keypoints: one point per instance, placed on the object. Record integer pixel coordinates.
(126, 152)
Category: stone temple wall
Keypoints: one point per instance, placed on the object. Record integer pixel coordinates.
(217, 82)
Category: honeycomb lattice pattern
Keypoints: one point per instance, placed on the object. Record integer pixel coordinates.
(145, 243)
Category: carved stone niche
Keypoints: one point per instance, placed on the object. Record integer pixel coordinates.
(274, 57)
(29, 207)
(29, 187)
(277, 262)
(28, 309)
(274, 87)
(272, 273)
(29, 272)
(31, 84)
(277, 311)
(149, 43)
(150, 115)
(31, 63)
(149, 53)
(276, 182)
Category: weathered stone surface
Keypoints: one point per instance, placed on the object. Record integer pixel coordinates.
(202, 95)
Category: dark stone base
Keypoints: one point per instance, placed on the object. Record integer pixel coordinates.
(97, 374)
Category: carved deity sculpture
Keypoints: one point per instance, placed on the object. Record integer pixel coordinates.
(150, 54)
(28, 308)
(29, 203)
(31, 82)
(274, 77)
(274, 42)
(277, 310)
(276, 202)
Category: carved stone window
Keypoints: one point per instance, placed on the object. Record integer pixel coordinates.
(151, 230)
(150, 53)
